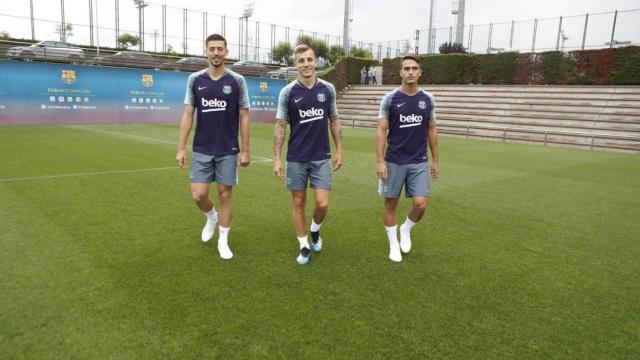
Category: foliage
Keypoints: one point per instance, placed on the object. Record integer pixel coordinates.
(358, 52)
(319, 47)
(68, 31)
(627, 61)
(4, 35)
(449, 69)
(497, 68)
(335, 53)
(126, 40)
(449, 48)
(283, 50)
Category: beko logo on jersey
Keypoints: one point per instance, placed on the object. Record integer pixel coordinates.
(214, 105)
(311, 112)
(410, 120)
(310, 115)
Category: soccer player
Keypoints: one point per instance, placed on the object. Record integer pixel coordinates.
(308, 104)
(220, 97)
(407, 118)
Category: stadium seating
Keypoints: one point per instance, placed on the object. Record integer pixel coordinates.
(587, 117)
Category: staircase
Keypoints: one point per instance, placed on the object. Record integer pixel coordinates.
(586, 117)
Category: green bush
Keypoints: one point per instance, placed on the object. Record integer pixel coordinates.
(553, 68)
(329, 75)
(497, 68)
(449, 69)
(627, 68)
(556, 67)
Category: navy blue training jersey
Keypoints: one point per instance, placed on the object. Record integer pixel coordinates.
(308, 112)
(408, 117)
(218, 104)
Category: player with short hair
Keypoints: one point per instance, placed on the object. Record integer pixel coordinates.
(407, 119)
(308, 105)
(220, 98)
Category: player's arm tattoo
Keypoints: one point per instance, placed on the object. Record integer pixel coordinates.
(278, 138)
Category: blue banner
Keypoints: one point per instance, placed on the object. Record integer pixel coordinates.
(42, 93)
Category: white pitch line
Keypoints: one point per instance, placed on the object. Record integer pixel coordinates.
(85, 174)
(259, 158)
(122, 134)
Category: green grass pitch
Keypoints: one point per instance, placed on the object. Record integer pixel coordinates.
(525, 252)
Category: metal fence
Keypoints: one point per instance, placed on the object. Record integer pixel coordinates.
(165, 28)
(564, 33)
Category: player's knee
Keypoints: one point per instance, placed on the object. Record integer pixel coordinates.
(299, 201)
(224, 193)
(420, 204)
(198, 195)
(322, 205)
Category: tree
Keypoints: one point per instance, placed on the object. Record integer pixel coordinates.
(335, 53)
(319, 47)
(361, 53)
(283, 51)
(449, 48)
(171, 50)
(66, 32)
(5, 35)
(126, 40)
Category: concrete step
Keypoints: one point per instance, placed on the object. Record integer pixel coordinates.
(520, 109)
(586, 141)
(509, 88)
(573, 101)
(559, 106)
(578, 125)
(512, 94)
(589, 117)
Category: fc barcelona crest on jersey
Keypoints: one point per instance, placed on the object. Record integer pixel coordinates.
(422, 104)
(264, 86)
(321, 97)
(69, 76)
(147, 80)
(226, 89)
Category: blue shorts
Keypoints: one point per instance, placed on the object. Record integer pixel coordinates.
(209, 168)
(414, 177)
(299, 174)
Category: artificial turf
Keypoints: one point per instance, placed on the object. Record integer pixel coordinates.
(525, 252)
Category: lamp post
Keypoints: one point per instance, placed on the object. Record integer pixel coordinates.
(244, 18)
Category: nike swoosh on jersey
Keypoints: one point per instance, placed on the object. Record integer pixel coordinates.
(296, 100)
(201, 88)
(400, 105)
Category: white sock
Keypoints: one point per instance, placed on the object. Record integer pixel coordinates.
(408, 224)
(392, 234)
(213, 214)
(303, 241)
(224, 234)
(315, 227)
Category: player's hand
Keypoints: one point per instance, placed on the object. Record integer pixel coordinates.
(382, 171)
(244, 159)
(435, 169)
(277, 168)
(337, 161)
(181, 158)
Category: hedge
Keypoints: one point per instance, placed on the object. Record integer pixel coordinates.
(619, 66)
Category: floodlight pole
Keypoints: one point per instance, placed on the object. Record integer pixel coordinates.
(430, 40)
(345, 31)
(140, 4)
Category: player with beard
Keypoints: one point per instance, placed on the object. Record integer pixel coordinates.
(220, 98)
